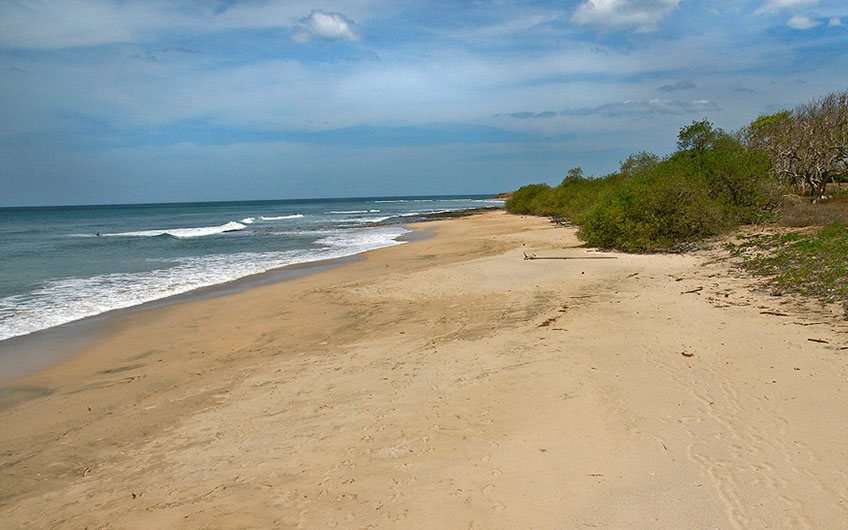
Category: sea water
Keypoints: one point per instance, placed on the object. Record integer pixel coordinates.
(61, 264)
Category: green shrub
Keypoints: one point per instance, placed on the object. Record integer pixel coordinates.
(522, 199)
(656, 211)
(712, 183)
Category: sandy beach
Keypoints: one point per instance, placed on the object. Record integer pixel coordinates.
(447, 383)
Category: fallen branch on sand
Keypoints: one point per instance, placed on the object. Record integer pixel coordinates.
(774, 313)
(695, 290)
(533, 256)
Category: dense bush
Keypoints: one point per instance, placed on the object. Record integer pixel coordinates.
(712, 183)
(522, 200)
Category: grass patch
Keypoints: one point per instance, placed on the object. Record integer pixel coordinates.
(798, 211)
(808, 263)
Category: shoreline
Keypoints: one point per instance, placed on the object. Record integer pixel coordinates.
(62, 342)
(25, 355)
(453, 373)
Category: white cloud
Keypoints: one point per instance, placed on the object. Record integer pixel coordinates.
(834, 22)
(45, 24)
(327, 26)
(642, 15)
(801, 22)
(778, 5)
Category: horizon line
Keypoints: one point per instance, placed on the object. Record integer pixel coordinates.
(177, 203)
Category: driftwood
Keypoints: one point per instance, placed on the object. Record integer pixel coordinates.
(533, 256)
(774, 313)
(695, 290)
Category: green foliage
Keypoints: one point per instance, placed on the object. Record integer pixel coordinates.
(638, 163)
(737, 177)
(698, 136)
(574, 174)
(714, 181)
(651, 204)
(522, 200)
(658, 210)
(768, 122)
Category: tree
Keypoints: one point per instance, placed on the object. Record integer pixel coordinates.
(761, 131)
(638, 163)
(808, 146)
(574, 174)
(698, 136)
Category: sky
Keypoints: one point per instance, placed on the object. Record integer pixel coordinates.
(120, 101)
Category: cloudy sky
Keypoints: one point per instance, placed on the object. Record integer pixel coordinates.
(111, 101)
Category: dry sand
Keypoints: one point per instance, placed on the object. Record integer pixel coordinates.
(446, 383)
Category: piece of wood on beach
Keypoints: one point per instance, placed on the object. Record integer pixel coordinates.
(820, 341)
(695, 290)
(534, 257)
(774, 313)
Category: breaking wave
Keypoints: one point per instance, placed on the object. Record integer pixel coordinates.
(181, 233)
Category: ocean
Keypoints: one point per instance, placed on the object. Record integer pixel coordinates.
(62, 264)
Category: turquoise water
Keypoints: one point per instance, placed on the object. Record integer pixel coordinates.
(61, 264)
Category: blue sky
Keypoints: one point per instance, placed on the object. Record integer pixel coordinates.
(105, 101)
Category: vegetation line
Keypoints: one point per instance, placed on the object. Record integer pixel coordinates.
(789, 168)
(715, 181)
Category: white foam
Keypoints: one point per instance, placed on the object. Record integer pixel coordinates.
(202, 231)
(61, 301)
(363, 237)
(421, 213)
(363, 220)
(354, 211)
(248, 220)
(281, 217)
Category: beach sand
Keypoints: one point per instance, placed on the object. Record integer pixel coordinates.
(446, 383)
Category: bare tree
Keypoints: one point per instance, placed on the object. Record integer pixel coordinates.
(808, 146)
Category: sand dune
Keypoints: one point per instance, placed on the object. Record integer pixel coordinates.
(447, 383)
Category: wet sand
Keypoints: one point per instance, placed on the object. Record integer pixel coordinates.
(446, 383)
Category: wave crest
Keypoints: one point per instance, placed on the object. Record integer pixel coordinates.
(281, 217)
(182, 233)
